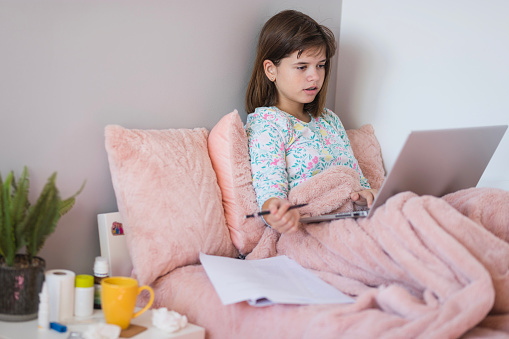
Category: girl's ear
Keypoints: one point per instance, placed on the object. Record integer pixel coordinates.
(270, 69)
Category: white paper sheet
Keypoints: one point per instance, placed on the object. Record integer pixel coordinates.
(268, 281)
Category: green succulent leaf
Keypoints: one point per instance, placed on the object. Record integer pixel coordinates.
(42, 217)
(20, 205)
(8, 242)
(67, 204)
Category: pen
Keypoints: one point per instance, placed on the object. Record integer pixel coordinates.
(257, 214)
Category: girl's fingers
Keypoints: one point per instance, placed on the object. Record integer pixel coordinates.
(281, 218)
(355, 196)
(370, 199)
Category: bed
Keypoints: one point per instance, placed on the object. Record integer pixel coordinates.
(421, 267)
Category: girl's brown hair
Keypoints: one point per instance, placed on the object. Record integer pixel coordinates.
(283, 34)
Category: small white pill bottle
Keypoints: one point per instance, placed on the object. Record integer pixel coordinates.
(84, 295)
(101, 270)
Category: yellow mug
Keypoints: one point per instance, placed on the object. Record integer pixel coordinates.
(118, 300)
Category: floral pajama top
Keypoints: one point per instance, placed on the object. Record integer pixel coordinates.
(286, 151)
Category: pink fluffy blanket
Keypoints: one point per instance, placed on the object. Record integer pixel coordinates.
(440, 265)
(421, 267)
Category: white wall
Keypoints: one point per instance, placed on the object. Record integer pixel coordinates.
(410, 65)
(68, 68)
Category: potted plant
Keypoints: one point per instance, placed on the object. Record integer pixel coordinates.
(27, 225)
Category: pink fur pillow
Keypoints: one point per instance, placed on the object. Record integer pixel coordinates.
(228, 149)
(168, 197)
(368, 153)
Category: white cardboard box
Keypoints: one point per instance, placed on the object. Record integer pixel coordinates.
(113, 244)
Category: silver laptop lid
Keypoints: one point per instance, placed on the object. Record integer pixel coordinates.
(438, 162)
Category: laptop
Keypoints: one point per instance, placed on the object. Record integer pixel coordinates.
(434, 162)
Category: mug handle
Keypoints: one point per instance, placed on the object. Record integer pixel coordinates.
(147, 306)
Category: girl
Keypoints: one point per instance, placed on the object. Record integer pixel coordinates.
(292, 136)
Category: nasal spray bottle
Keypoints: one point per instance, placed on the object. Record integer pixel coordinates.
(43, 315)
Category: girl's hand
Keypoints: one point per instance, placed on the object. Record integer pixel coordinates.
(365, 197)
(281, 218)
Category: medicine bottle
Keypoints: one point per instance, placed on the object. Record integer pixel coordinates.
(101, 269)
(43, 312)
(84, 295)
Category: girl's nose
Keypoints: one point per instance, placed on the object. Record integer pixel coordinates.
(313, 75)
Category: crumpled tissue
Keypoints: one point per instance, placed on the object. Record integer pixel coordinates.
(168, 321)
(102, 331)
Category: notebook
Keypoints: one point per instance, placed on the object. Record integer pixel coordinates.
(434, 162)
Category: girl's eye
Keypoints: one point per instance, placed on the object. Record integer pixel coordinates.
(301, 68)
(321, 66)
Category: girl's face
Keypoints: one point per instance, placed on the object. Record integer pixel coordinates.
(298, 79)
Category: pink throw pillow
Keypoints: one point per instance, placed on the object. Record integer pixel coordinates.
(229, 153)
(368, 153)
(168, 197)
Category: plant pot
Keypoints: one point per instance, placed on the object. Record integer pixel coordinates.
(21, 285)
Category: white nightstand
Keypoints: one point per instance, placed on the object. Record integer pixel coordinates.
(29, 330)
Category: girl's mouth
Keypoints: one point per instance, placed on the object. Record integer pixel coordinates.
(311, 90)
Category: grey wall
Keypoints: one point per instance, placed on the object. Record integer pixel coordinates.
(68, 68)
(413, 65)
